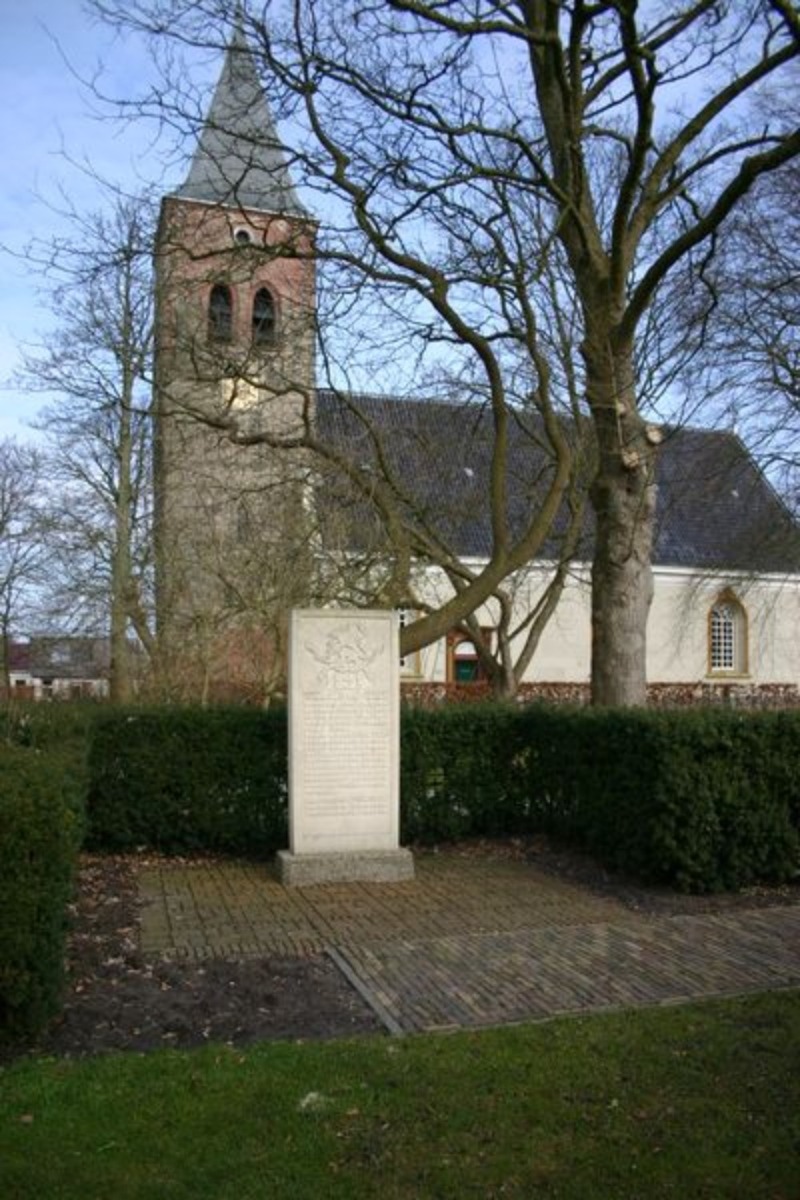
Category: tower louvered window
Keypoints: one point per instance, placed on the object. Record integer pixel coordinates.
(264, 318)
(220, 313)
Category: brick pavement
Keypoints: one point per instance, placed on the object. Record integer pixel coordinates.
(470, 942)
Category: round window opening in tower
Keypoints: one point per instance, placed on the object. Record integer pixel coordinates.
(243, 237)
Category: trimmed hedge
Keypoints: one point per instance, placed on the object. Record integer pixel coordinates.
(183, 781)
(41, 825)
(459, 772)
(51, 724)
(186, 780)
(702, 800)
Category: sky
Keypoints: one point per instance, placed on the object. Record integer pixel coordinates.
(50, 124)
(47, 117)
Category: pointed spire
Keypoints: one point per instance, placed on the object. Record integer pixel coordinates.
(239, 160)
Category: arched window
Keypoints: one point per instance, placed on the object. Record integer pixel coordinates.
(263, 318)
(463, 663)
(220, 313)
(466, 668)
(727, 636)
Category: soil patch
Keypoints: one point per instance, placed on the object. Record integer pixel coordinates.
(575, 867)
(117, 1000)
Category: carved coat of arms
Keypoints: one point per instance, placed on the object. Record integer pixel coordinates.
(344, 658)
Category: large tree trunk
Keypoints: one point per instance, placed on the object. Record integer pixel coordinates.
(623, 496)
(504, 684)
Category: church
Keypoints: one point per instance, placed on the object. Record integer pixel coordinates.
(256, 466)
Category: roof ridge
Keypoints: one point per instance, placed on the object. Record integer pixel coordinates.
(470, 402)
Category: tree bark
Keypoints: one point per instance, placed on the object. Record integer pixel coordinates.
(505, 683)
(120, 686)
(623, 496)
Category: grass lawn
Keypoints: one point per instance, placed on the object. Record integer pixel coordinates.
(695, 1101)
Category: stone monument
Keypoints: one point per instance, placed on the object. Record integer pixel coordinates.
(344, 749)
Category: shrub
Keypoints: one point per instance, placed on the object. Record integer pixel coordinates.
(41, 822)
(701, 799)
(184, 780)
(457, 772)
(47, 724)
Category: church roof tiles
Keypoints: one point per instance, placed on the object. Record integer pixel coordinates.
(239, 160)
(715, 509)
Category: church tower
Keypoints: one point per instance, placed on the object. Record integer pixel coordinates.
(235, 313)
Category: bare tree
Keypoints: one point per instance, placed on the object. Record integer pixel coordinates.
(454, 148)
(96, 368)
(750, 356)
(23, 532)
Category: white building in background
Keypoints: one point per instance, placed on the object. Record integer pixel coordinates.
(60, 668)
(725, 614)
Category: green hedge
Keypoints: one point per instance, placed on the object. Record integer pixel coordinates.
(184, 780)
(459, 772)
(53, 724)
(41, 825)
(181, 780)
(700, 800)
(703, 800)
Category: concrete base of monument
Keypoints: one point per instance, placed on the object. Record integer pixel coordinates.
(355, 866)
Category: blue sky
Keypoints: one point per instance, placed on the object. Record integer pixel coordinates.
(45, 113)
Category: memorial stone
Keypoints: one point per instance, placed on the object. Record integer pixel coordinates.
(344, 749)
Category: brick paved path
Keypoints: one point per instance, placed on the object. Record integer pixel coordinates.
(470, 943)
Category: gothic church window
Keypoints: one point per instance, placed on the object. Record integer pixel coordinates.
(727, 637)
(220, 313)
(263, 318)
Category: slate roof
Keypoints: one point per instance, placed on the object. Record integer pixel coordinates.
(19, 657)
(715, 509)
(239, 159)
(69, 657)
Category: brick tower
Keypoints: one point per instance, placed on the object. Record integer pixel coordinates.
(235, 310)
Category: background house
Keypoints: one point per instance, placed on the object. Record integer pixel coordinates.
(60, 668)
